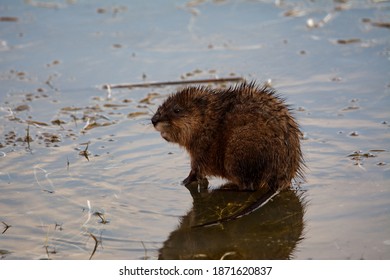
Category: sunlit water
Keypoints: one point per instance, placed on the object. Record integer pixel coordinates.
(81, 166)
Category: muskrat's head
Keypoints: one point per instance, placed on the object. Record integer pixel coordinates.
(181, 115)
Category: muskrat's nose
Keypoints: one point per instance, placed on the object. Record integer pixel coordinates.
(155, 119)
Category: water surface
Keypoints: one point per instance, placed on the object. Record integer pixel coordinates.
(81, 166)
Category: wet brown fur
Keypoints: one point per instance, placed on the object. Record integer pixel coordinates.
(245, 134)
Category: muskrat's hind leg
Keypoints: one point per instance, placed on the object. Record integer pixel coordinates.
(246, 173)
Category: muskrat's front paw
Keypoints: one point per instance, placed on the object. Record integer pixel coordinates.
(198, 184)
(192, 177)
(189, 180)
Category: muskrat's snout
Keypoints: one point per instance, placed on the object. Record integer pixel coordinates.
(156, 118)
(161, 124)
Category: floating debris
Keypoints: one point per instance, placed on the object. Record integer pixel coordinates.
(294, 13)
(149, 98)
(376, 23)
(47, 5)
(171, 83)
(378, 150)
(136, 114)
(58, 226)
(37, 123)
(361, 154)
(381, 24)
(109, 93)
(28, 138)
(21, 108)
(71, 109)
(311, 23)
(101, 216)
(93, 124)
(6, 227)
(115, 106)
(348, 41)
(53, 63)
(351, 108)
(50, 137)
(85, 152)
(96, 244)
(9, 19)
(336, 79)
(58, 122)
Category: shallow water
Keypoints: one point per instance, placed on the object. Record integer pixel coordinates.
(61, 197)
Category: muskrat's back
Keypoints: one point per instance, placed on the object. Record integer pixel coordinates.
(245, 134)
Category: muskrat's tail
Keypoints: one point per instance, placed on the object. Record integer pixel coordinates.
(250, 209)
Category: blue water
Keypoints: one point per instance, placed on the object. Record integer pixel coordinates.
(56, 56)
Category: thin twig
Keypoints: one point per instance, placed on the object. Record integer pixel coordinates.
(28, 138)
(96, 244)
(85, 153)
(145, 250)
(47, 251)
(6, 227)
(171, 83)
(101, 216)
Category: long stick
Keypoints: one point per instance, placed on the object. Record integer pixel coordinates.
(170, 83)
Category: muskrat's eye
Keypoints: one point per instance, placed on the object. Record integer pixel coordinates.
(177, 110)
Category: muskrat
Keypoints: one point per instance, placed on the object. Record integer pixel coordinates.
(245, 134)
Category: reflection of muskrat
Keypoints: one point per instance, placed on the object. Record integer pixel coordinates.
(245, 134)
(272, 233)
